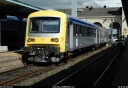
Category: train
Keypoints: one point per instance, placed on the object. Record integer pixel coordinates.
(52, 36)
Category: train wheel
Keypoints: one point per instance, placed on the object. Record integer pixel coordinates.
(28, 62)
(57, 63)
(66, 57)
(24, 58)
(92, 49)
(96, 47)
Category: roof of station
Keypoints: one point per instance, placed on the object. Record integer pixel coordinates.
(16, 8)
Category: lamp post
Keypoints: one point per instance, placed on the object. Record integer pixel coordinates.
(74, 8)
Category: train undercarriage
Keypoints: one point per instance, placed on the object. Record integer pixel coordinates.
(51, 53)
(44, 54)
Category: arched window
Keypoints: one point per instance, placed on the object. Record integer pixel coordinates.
(98, 23)
(116, 28)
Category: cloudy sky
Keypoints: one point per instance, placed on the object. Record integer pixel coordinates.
(55, 4)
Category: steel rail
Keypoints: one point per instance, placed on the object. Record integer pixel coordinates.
(8, 82)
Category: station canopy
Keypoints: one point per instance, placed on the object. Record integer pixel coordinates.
(16, 8)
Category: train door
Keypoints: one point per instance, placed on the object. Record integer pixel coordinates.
(71, 35)
(98, 36)
(68, 37)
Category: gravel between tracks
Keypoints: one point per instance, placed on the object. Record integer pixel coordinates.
(10, 65)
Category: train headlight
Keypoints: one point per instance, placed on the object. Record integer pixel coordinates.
(29, 40)
(56, 40)
(52, 39)
(33, 40)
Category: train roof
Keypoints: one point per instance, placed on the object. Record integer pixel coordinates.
(82, 22)
(70, 18)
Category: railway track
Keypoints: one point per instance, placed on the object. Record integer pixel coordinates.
(10, 77)
(91, 73)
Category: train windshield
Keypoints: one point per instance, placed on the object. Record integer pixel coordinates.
(45, 25)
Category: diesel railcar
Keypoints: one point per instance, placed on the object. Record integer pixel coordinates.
(52, 35)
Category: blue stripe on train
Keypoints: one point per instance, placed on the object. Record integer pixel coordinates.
(82, 22)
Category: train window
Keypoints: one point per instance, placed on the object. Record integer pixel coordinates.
(34, 25)
(83, 31)
(77, 30)
(68, 25)
(94, 32)
(68, 28)
(74, 29)
(91, 32)
(52, 26)
(98, 32)
(80, 30)
(45, 24)
(87, 31)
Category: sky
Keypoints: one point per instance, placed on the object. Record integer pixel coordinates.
(56, 4)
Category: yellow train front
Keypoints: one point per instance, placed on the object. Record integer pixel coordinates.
(46, 36)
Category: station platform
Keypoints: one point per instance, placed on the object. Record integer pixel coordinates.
(122, 75)
(10, 55)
